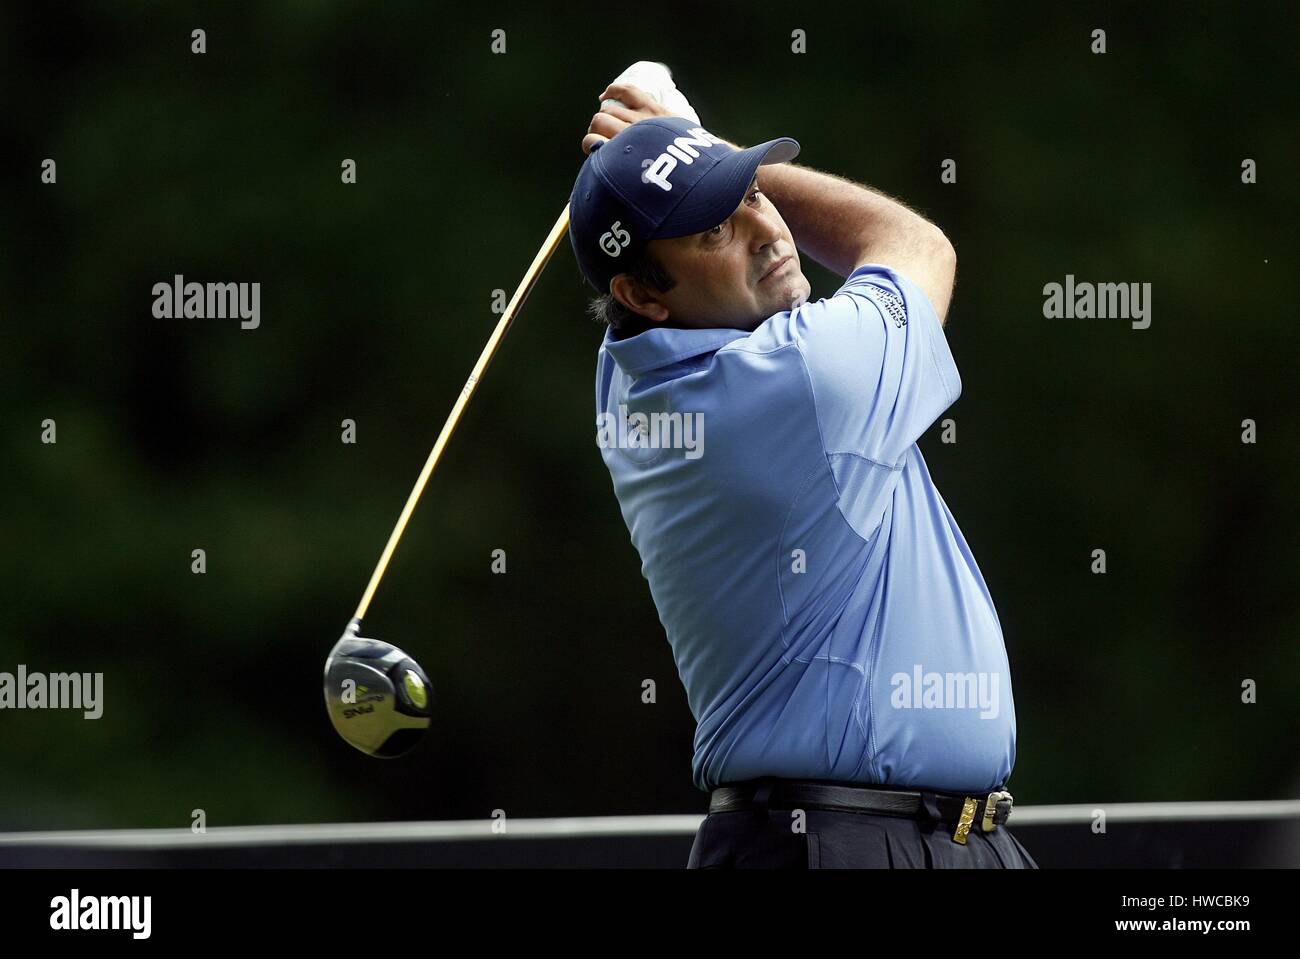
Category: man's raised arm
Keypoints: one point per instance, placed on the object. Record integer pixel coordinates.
(842, 224)
(839, 223)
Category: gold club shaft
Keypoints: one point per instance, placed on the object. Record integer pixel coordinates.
(530, 278)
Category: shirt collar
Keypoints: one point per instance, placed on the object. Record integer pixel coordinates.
(661, 346)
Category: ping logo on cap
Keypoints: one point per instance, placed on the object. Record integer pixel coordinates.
(615, 239)
(683, 149)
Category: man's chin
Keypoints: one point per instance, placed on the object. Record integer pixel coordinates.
(794, 294)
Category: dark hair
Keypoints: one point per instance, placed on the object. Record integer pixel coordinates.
(644, 269)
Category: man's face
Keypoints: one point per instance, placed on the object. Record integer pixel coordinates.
(724, 275)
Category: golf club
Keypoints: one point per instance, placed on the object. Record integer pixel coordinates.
(378, 697)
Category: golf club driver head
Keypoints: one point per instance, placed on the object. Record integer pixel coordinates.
(378, 698)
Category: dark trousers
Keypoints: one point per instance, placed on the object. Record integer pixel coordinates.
(767, 839)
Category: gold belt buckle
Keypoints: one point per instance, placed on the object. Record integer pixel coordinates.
(991, 808)
(968, 810)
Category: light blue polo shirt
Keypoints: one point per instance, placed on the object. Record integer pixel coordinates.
(827, 618)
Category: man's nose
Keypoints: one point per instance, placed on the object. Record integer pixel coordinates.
(763, 230)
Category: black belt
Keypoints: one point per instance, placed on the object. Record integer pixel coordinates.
(962, 812)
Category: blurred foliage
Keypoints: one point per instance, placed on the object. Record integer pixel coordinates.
(376, 299)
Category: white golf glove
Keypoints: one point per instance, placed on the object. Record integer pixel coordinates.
(657, 80)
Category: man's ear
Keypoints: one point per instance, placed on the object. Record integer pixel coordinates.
(637, 298)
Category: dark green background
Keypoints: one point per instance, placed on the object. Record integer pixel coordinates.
(376, 299)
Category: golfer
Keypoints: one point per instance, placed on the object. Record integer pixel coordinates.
(839, 649)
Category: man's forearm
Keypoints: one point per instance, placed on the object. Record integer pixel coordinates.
(842, 224)
(839, 223)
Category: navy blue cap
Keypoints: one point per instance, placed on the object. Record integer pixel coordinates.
(658, 178)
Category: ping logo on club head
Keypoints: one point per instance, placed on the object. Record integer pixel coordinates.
(363, 705)
(681, 149)
(615, 239)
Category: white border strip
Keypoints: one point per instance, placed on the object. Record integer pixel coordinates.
(360, 833)
(1154, 812)
(588, 827)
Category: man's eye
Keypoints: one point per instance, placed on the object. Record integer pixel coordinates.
(754, 192)
(717, 230)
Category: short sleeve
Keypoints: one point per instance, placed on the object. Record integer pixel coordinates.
(879, 365)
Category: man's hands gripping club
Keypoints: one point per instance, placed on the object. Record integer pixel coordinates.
(637, 104)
